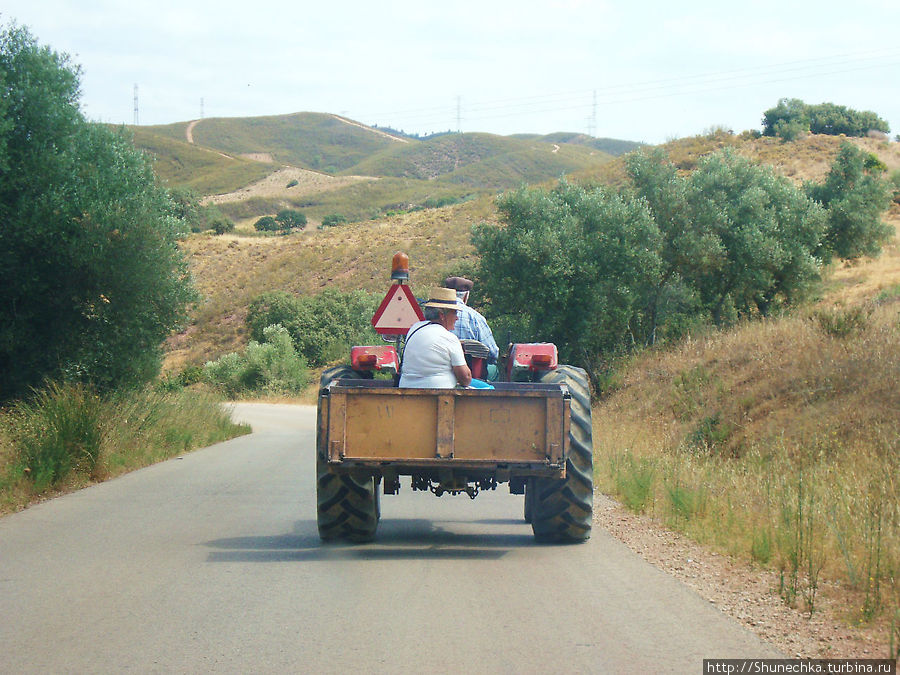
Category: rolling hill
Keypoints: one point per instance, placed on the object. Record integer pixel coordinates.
(233, 158)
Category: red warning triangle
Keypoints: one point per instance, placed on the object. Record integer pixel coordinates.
(397, 312)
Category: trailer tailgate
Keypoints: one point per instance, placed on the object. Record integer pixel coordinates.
(373, 423)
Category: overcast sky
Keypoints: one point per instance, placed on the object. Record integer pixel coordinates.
(636, 70)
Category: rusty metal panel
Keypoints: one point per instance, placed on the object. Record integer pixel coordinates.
(337, 411)
(389, 426)
(501, 428)
(462, 426)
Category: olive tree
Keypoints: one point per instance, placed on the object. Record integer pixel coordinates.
(767, 233)
(576, 265)
(685, 248)
(92, 278)
(855, 194)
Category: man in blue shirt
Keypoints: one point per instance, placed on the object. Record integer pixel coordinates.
(470, 324)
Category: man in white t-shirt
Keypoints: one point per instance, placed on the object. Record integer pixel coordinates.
(433, 356)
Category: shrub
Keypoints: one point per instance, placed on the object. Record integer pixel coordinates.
(217, 222)
(842, 323)
(290, 219)
(895, 185)
(322, 327)
(791, 130)
(269, 367)
(266, 224)
(792, 115)
(333, 219)
(438, 202)
(59, 431)
(854, 197)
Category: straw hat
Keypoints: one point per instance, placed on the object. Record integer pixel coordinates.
(442, 298)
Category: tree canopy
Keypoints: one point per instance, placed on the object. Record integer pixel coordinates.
(91, 274)
(599, 272)
(792, 116)
(574, 263)
(855, 194)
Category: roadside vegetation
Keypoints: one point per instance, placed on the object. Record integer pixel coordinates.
(777, 441)
(93, 281)
(67, 436)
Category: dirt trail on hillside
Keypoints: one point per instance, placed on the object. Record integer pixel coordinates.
(275, 185)
(374, 131)
(189, 132)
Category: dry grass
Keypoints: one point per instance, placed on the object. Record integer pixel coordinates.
(275, 185)
(778, 441)
(230, 271)
(807, 159)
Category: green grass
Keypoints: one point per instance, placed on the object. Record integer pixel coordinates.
(310, 140)
(67, 436)
(180, 164)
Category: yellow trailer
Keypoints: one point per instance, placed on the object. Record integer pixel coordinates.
(535, 436)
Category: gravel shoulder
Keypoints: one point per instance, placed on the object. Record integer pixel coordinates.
(745, 591)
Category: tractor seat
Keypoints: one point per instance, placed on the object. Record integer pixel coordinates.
(475, 348)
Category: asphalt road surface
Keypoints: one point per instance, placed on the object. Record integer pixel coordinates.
(211, 563)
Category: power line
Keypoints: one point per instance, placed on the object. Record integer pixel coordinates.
(655, 89)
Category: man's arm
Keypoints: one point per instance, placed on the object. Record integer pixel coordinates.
(463, 375)
(458, 361)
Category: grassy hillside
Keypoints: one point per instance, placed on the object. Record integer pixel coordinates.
(807, 158)
(778, 442)
(309, 140)
(204, 171)
(610, 146)
(477, 156)
(231, 270)
(236, 160)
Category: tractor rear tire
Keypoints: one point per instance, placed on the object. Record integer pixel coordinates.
(347, 504)
(529, 499)
(562, 510)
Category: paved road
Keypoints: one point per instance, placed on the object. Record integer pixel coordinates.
(211, 563)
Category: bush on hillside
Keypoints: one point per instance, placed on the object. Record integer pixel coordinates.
(322, 327)
(574, 264)
(290, 219)
(791, 130)
(854, 194)
(266, 224)
(762, 234)
(792, 116)
(333, 219)
(271, 366)
(600, 273)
